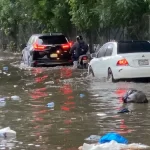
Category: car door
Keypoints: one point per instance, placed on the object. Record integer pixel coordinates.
(98, 66)
(106, 60)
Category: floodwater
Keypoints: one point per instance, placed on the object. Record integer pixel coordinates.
(84, 106)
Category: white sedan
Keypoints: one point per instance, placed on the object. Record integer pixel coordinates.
(121, 60)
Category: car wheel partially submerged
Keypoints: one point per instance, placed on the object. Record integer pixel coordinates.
(91, 71)
(110, 76)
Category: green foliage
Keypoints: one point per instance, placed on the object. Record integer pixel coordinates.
(61, 15)
(82, 14)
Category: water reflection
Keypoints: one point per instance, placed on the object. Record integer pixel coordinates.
(72, 119)
(67, 90)
(36, 71)
(7, 143)
(39, 93)
(65, 72)
(41, 79)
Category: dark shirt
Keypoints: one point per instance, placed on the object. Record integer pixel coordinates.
(78, 49)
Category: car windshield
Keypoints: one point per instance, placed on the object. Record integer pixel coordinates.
(46, 40)
(133, 47)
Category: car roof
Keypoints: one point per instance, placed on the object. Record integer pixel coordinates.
(48, 34)
(126, 41)
(131, 41)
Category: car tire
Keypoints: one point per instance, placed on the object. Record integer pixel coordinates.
(91, 71)
(85, 66)
(110, 76)
(24, 58)
(30, 60)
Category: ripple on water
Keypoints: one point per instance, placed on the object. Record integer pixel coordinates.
(73, 118)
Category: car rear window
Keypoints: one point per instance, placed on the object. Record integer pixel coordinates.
(133, 47)
(46, 40)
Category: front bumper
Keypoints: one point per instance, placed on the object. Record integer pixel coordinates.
(128, 72)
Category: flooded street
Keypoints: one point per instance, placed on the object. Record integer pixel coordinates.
(83, 106)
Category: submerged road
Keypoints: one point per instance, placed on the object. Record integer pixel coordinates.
(83, 106)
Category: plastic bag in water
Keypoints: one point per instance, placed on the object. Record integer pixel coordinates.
(2, 99)
(113, 136)
(124, 110)
(113, 145)
(7, 132)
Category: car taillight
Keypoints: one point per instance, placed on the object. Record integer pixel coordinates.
(84, 58)
(38, 47)
(70, 43)
(65, 46)
(122, 62)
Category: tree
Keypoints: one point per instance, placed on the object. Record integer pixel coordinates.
(83, 18)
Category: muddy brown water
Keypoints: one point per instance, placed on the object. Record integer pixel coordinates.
(73, 118)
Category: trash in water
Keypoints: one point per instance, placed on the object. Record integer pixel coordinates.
(94, 138)
(7, 132)
(15, 97)
(15, 86)
(2, 99)
(96, 95)
(101, 114)
(1, 71)
(51, 105)
(82, 95)
(5, 68)
(124, 110)
(2, 103)
(113, 145)
(112, 136)
(49, 82)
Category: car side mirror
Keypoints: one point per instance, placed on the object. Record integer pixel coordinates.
(22, 46)
(93, 55)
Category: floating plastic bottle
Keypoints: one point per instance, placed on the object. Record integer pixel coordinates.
(82, 95)
(51, 105)
(5, 68)
(94, 138)
(15, 97)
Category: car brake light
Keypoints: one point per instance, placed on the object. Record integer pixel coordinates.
(84, 58)
(65, 46)
(38, 47)
(122, 62)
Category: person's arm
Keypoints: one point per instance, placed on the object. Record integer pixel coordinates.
(86, 48)
(73, 48)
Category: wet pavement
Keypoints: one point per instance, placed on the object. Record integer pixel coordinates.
(83, 106)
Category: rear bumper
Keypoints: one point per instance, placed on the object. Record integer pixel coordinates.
(51, 62)
(128, 72)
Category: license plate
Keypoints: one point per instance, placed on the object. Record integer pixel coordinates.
(53, 55)
(143, 62)
(85, 61)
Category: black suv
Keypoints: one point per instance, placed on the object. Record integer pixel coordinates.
(47, 49)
